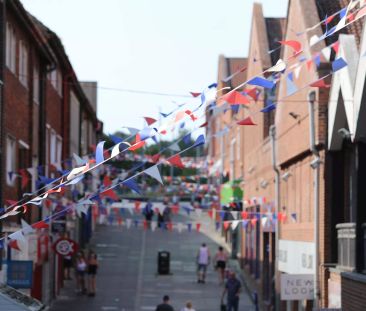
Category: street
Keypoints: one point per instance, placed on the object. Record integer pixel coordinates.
(127, 279)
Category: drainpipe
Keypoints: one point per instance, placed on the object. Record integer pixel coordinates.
(272, 134)
(315, 165)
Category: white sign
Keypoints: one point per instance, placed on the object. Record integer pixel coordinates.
(297, 287)
(296, 257)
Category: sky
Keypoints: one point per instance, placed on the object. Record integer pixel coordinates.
(164, 46)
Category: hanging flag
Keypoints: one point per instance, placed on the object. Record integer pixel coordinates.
(79, 161)
(258, 81)
(291, 87)
(131, 183)
(176, 160)
(174, 147)
(226, 225)
(99, 158)
(235, 98)
(149, 120)
(14, 245)
(320, 84)
(26, 228)
(296, 45)
(187, 139)
(155, 158)
(294, 217)
(253, 93)
(195, 94)
(244, 215)
(199, 141)
(116, 139)
(40, 225)
(279, 67)
(198, 227)
(153, 171)
(339, 64)
(204, 124)
(234, 224)
(246, 121)
(269, 106)
(253, 221)
(245, 223)
(146, 133)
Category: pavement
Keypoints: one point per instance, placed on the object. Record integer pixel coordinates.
(127, 278)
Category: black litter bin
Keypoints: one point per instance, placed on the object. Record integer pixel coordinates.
(163, 262)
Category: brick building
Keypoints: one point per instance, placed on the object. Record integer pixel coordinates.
(47, 116)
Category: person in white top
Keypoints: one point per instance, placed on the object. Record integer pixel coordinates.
(188, 307)
(203, 260)
(221, 258)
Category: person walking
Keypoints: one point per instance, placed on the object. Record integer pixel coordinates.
(188, 307)
(148, 213)
(165, 306)
(232, 289)
(203, 260)
(92, 272)
(80, 273)
(221, 258)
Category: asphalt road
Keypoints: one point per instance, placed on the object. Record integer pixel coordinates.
(127, 279)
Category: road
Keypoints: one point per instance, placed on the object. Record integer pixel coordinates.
(127, 279)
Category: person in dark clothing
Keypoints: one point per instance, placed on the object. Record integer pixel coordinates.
(232, 288)
(165, 306)
(148, 212)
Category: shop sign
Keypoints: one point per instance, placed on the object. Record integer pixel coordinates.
(297, 287)
(19, 273)
(58, 226)
(65, 247)
(296, 257)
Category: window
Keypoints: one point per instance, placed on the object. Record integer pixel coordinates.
(56, 80)
(36, 84)
(53, 147)
(10, 48)
(23, 63)
(10, 160)
(59, 150)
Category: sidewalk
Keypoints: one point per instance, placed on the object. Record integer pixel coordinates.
(127, 279)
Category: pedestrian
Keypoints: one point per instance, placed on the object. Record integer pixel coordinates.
(92, 272)
(188, 307)
(232, 289)
(67, 267)
(80, 273)
(221, 258)
(148, 212)
(203, 260)
(165, 306)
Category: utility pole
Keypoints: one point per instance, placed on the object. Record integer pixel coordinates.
(272, 131)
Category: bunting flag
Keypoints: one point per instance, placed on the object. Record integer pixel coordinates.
(14, 245)
(79, 161)
(187, 139)
(226, 225)
(253, 93)
(133, 131)
(217, 225)
(235, 98)
(320, 84)
(245, 224)
(244, 215)
(174, 147)
(116, 139)
(155, 158)
(149, 120)
(203, 124)
(99, 155)
(199, 141)
(294, 217)
(246, 121)
(253, 221)
(195, 94)
(279, 67)
(339, 64)
(295, 45)
(40, 225)
(176, 161)
(234, 224)
(131, 183)
(291, 87)
(269, 106)
(26, 228)
(153, 172)
(258, 81)
(25, 178)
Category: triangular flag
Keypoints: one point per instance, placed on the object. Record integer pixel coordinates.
(264, 221)
(291, 87)
(294, 217)
(153, 225)
(149, 120)
(174, 147)
(187, 139)
(235, 98)
(133, 131)
(153, 171)
(40, 225)
(245, 223)
(26, 228)
(335, 47)
(338, 64)
(198, 227)
(246, 121)
(14, 245)
(226, 225)
(195, 94)
(296, 45)
(253, 93)
(297, 71)
(244, 215)
(176, 160)
(269, 107)
(199, 141)
(234, 224)
(326, 53)
(79, 161)
(262, 82)
(222, 215)
(234, 214)
(279, 67)
(17, 235)
(99, 154)
(116, 139)
(131, 183)
(320, 84)
(253, 221)
(210, 213)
